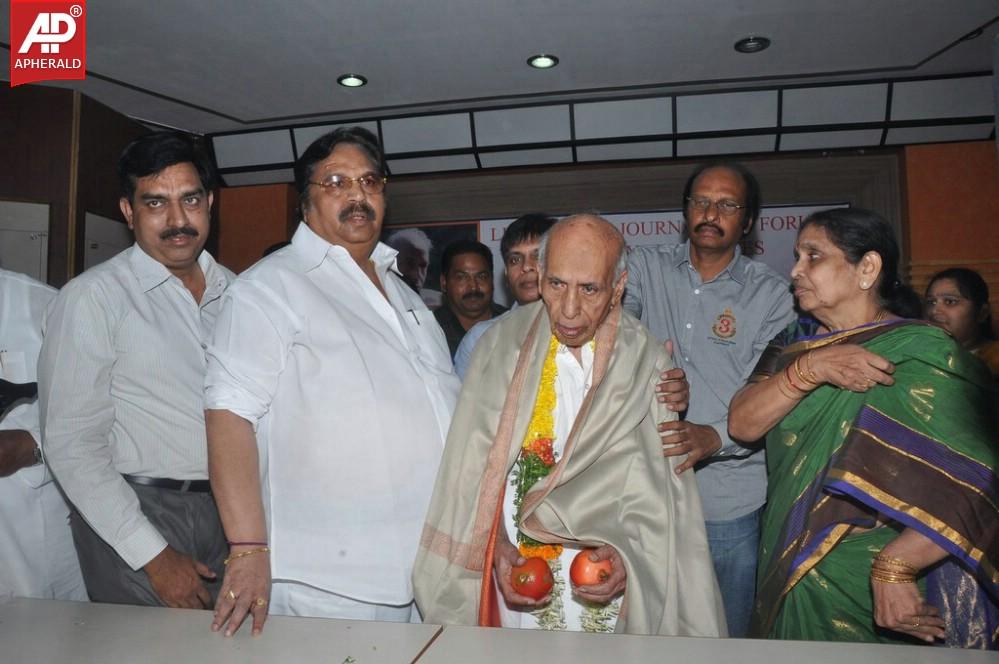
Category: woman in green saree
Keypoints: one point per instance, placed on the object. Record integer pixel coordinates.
(882, 520)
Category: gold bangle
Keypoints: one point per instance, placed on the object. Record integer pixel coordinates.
(801, 374)
(893, 569)
(790, 381)
(783, 389)
(243, 554)
(808, 368)
(885, 577)
(896, 562)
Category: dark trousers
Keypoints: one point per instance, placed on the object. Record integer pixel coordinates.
(188, 521)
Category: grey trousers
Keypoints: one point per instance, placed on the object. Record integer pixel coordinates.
(188, 521)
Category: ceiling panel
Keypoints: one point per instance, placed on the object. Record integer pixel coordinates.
(630, 117)
(526, 157)
(427, 132)
(726, 145)
(643, 150)
(817, 140)
(727, 111)
(538, 124)
(259, 177)
(942, 98)
(262, 147)
(972, 132)
(454, 162)
(834, 104)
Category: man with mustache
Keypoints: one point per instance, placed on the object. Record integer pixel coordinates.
(519, 249)
(720, 309)
(329, 393)
(120, 380)
(467, 283)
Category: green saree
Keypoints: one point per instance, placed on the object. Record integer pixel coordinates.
(849, 470)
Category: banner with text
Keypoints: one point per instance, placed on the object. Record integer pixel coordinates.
(772, 239)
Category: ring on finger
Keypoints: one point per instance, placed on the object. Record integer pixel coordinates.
(260, 601)
(231, 595)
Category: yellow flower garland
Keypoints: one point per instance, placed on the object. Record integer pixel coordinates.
(537, 455)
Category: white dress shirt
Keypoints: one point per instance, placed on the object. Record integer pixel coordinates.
(351, 397)
(37, 558)
(120, 387)
(572, 382)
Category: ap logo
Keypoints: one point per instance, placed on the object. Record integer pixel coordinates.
(51, 39)
(49, 30)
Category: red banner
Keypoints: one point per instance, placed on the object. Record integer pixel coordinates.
(48, 41)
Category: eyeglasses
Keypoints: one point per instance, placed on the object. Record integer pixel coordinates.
(725, 208)
(946, 300)
(336, 183)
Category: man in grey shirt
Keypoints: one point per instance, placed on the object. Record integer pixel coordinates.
(120, 380)
(720, 309)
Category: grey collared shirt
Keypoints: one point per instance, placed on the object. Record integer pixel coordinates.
(120, 380)
(719, 329)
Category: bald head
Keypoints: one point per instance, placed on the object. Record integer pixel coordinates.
(582, 275)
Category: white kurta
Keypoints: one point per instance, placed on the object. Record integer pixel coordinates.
(37, 558)
(572, 382)
(351, 396)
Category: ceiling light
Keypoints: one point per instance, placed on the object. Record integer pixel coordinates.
(352, 80)
(752, 44)
(542, 61)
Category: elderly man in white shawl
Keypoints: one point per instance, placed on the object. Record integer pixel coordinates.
(553, 449)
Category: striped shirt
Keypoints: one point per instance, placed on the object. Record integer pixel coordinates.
(120, 389)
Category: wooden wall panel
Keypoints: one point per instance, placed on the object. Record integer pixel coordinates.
(37, 125)
(104, 133)
(61, 149)
(952, 196)
(251, 219)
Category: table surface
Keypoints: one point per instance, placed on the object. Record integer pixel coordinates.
(54, 632)
(484, 645)
(80, 633)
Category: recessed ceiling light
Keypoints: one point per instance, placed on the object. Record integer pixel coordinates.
(752, 44)
(542, 61)
(352, 80)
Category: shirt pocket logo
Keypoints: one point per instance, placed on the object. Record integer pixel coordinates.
(724, 327)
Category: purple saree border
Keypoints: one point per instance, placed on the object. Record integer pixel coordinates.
(938, 455)
(845, 488)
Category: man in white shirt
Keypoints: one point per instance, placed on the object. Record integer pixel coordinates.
(36, 550)
(121, 377)
(329, 393)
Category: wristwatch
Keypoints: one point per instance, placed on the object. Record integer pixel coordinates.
(38, 455)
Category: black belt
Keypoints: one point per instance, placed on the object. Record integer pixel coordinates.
(197, 486)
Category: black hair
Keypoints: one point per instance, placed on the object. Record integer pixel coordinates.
(323, 147)
(752, 211)
(151, 153)
(459, 247)
(530, 226)
(857, 231)
(971, 285)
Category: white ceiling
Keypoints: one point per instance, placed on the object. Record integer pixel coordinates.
(245, 65)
